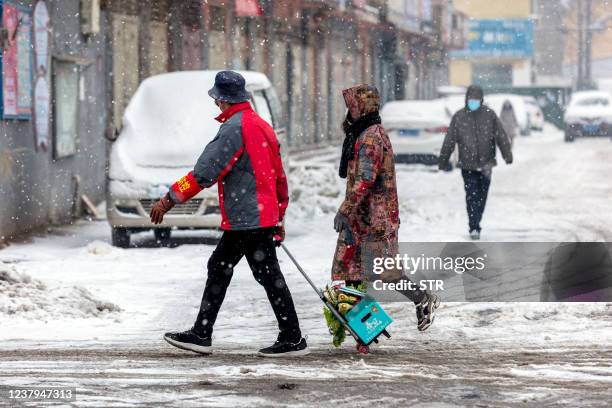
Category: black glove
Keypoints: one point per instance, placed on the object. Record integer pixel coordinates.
(341, 224)
(279, 234)
(445, 166)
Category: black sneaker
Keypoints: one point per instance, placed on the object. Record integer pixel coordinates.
(286, 349)
(189, 340)
(426, 311)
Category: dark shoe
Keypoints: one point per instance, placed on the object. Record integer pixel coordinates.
(286, 349)
(426, 311)
(475, 235)
(189, 340)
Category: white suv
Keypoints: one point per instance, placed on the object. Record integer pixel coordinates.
(166, 126)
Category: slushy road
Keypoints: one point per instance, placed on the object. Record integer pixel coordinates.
(423, 374)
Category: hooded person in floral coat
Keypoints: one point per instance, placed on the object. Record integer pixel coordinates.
(369, 213)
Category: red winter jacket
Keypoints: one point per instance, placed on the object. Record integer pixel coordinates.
(244, 159)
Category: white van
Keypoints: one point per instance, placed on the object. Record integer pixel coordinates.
(166, 126)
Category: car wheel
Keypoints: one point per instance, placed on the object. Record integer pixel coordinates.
(120, 237)
(162, 235)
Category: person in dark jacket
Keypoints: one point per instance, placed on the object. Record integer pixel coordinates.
(477, 131)
(244, 161)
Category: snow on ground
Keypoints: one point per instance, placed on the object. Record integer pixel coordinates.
(23, 296)
(71, 289)
(554, 191)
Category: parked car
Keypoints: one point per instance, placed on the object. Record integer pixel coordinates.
(450, 90)
(166, 125)
(536, 116)
(454, 103)
(588, 113)
(416, 129)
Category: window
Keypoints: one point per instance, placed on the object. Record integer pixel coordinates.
(217, 18)
(593, 102)
(275, 107)
(261, 105)
(65, 118)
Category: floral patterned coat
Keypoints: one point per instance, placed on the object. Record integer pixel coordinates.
(370, 204)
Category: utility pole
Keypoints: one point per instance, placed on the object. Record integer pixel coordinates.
(588, 48)
(580, 45)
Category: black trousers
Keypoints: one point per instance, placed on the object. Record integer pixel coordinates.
(476, 185)
(259, 249)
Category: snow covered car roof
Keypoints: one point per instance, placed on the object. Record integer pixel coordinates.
(170, 118)
(447, 90)
(585, 96)
(414, 114)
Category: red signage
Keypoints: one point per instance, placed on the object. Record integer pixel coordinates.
(10, 20)
(17, 62)
(248, 8)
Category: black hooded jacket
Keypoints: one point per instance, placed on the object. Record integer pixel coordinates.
(477, 134)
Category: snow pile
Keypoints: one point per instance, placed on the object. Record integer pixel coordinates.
(99, 248)
(315, 190)
(21, 295)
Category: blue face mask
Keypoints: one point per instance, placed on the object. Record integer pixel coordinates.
(473, 104)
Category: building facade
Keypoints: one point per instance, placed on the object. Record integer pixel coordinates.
(549, 42)
(100, 50)
(310, 49)
(591, 32)
(53, 65)
(499, 47)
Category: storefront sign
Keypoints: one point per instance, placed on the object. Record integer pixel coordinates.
(511, 38)
(42, 91)
(41, 37)
(24, 65)
(9, 63)
(17, 63)
(42, 101)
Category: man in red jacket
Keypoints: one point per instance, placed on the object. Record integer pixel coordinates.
(244, 161)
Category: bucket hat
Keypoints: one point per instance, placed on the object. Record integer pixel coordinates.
(229, 87)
